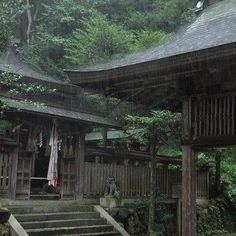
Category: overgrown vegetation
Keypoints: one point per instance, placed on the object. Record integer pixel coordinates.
(54, 34)
(57, 34)
(164, 216)
(215, 218)
(158, 128)
(4, 229)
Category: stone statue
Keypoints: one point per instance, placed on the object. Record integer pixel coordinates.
(111, 189)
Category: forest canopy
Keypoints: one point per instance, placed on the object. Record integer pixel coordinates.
(53, 35)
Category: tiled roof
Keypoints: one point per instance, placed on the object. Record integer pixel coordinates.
(42, 109)
(11, 63)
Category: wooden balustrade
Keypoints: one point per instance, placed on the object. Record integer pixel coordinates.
(214, 116)
(134, 181)
(209, 117)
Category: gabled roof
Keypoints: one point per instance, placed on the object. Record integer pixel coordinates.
(10, 62)
(42, 109)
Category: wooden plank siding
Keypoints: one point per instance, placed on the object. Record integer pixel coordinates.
(209, 119)
(134, 181)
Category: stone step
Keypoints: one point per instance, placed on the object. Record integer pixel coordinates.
(70, 230)
(94, 234)
(56, 216)
(62, 223)
(44, 196)
(49, 209)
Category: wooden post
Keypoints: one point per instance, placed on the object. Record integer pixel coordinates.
(104, 136)
(179, 217)
(188, 192)
(81, 166)
(13, 175)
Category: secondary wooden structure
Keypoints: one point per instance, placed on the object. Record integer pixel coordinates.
(195, 70)
(25, 126)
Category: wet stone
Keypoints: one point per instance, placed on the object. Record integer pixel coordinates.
(4, 216)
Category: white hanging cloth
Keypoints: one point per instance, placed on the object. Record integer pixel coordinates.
(52, 176)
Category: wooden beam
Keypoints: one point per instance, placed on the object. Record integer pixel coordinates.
(188, 192)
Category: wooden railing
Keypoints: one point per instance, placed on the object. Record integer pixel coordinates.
(211, 116)
(214, 116)
(134, 181)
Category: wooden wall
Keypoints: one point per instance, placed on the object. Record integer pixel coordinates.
(134, 181)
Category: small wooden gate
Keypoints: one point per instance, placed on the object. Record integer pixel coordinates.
(68, 178)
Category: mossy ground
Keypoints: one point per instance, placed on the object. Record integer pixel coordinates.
(4, 229)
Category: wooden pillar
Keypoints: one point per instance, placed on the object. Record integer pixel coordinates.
(81, 166)
(188, 192)
(13, 173)
(179, 217)
(104, 136)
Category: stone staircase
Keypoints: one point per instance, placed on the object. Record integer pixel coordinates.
(61, 218)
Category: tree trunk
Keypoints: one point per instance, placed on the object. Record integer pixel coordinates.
(152, 204)
(29, 17)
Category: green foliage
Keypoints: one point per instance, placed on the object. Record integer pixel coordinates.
(69, 33)
(228, 171)
(5, 37)
(165, 15)
(160, 127)
(214, 218)
(5, 128)
(229, 180)
(111, 107)
(61, 18)
(164, 215)
(14, 84)
(9, 11)
(98, 40)
(147, 38)
(55, 26)
(5, 229)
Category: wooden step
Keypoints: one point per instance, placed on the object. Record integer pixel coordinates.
(45, 196)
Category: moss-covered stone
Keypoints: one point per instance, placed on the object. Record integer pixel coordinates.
(4, 229)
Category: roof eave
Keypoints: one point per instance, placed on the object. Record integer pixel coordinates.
(81, 76)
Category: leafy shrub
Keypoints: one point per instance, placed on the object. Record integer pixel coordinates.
(214, 218)
(164, 215)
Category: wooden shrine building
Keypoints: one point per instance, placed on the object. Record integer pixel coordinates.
(25, 126)
(195, 70)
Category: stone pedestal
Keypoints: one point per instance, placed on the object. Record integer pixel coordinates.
(109, 202)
